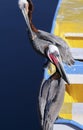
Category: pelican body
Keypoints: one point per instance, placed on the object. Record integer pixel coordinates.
(51, 98)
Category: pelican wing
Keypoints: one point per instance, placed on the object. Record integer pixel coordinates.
(61, 44)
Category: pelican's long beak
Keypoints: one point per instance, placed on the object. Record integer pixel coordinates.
(57, 62)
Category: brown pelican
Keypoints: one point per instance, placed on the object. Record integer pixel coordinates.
(55, 50)
(54, 99)
(51, 97)
(50, 46)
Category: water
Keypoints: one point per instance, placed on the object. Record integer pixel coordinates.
(20, 67)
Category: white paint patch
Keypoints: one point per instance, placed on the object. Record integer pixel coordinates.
(70, 34)
(77, 111)
(77, 53)
(75, 78)
(62, 127)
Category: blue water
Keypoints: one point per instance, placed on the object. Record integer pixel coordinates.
(20, 67)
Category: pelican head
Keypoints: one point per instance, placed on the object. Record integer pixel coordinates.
(23, 4)
(54, 56)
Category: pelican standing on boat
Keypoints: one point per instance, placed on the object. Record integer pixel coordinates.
(51, 98)
(55, 50)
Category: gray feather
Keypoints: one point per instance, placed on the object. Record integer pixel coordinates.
(53, 103)
(61, 44)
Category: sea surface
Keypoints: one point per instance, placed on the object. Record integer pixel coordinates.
(21, 70)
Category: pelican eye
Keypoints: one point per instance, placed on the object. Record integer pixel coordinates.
(57, 55)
